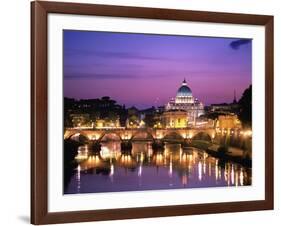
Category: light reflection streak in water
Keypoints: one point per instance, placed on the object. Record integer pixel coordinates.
(78, 178)
(200, 171)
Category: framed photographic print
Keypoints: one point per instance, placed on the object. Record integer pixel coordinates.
(146, 112)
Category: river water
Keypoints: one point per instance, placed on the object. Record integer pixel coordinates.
(111, 170)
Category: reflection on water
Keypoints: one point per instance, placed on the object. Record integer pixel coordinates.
(142, 168)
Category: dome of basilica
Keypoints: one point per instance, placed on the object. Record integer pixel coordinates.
(184, 90)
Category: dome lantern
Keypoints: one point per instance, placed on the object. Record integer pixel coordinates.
(184, 90)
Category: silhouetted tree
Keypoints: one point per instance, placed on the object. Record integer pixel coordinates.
(149, 120)
(245, 103)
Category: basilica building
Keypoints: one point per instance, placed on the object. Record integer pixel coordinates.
(185, 102)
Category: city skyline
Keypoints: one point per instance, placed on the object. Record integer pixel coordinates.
(146, 70)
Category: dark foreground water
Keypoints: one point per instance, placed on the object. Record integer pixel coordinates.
(143, 169)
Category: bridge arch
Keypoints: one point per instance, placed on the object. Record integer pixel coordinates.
(203, 135)
(148, 134)
(110, 133)
(173, 135)
(69, 134)
(82, 137)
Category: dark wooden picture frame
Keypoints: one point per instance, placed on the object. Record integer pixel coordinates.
(39, 109)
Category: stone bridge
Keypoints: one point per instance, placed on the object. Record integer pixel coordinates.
(139, 133)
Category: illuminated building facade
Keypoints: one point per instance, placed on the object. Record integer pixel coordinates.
(185, 101)
(81, 120)
(174, 119)
(106, 123)
(228, 122)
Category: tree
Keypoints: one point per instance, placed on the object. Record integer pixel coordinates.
(149, 120)
(245, 102)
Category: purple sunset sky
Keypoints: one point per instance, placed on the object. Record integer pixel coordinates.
(146, 70)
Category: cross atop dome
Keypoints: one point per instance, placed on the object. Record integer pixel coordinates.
(184, 82)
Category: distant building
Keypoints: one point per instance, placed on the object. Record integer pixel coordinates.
(184, 101)
(95, 109)
(225, 107)
(174, 119)
(81, 120)
(106, 123)
(160, 109)
(204, 122)
(228, 122)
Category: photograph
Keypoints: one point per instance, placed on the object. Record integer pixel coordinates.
(152, 112)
